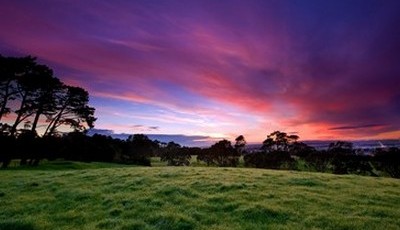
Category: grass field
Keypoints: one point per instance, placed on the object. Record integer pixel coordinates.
(68, 195)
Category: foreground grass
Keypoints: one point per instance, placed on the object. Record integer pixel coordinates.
(110, 197)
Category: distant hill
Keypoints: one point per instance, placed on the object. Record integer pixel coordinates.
(184, 140)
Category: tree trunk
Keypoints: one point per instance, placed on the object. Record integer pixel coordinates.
(19, 115)
(16, 123)
(53, 124)
(3, 107)
(6, 97)
(36, 120)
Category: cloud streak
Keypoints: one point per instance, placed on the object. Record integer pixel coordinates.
(357, 127)
(317, 68)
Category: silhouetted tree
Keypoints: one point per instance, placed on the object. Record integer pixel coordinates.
(11, 71)
(354, 164)
(8, 71)
(35, 92)
(51, 147)
(26, 86)
(78, 147)
(221, 153)
(388, 161)
(45, 95)
(105, 148)
(279, 141)
(275, 159)
(240, 144)
(7, 143)
(72, 109)
(340, 152)
(341, 147)
(175, 155)
(274, 152)
(319, 160)
(27, 146)
(138, 150)
(194, 151)
(300, 149)
(340, 158)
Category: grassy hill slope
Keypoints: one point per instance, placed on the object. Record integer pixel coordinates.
(109, 197)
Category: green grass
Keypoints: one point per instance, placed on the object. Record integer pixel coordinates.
(156, 161)
(107, 196)
(63, 165)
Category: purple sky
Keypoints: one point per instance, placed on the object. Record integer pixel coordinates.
(218, 69)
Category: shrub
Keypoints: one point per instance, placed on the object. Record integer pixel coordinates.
(175, 155)
(388, 161)
(272, 160)
(221, 154)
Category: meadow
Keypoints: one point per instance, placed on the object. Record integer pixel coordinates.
(71, 195)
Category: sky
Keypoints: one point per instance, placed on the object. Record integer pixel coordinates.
(207, 70)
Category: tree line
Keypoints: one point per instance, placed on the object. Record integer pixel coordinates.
(278, 151)
(282, 151)
(31, 97)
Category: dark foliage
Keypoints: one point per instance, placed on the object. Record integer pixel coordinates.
(221, 154)
(138, 149)
(240, 145)
(340, 158)
(301, 149)
(276, 159)
(346, 161)
(175, 155)
(30, 92)
(274, 153)
(278, 141)
(388, 161)
(352, 164)
(7, 153)
(76, 146)
(27, 148)
(318, 160)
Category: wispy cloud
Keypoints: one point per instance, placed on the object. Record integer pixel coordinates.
(358, 127)
(286, 65)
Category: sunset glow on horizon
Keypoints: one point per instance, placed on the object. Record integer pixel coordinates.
(324, 70)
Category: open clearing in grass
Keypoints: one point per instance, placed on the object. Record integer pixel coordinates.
(194, 198)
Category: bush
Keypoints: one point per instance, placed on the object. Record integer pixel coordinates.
(319, 160)
(221, 154)
(388, 161)
(175, 155)
(352, 164)
(271, 160)
(7, 144)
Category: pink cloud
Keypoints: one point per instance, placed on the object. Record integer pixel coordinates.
(266, 59)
